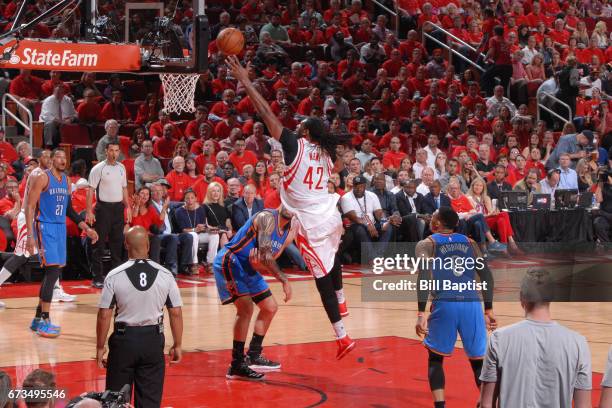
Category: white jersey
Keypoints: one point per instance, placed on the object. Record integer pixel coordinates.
(304, 188)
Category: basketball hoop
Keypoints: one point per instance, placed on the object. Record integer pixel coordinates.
(179, 90)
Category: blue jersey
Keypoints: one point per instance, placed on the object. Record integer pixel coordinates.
(53, 200)
(455, 262)
(246, 239)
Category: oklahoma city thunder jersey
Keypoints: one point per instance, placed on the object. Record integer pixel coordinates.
(449, 266)
(246, 239)
(53, 201)
(50, 222)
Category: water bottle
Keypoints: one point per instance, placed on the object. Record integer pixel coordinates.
(594, 203)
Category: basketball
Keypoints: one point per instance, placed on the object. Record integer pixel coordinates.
(230, 41)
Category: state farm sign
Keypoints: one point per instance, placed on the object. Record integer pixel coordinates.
(62, 56)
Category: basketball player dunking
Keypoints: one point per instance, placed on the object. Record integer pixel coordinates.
(452, 310)
(47, 203)
(309, 163)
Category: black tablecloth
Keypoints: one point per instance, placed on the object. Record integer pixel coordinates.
(570, 226)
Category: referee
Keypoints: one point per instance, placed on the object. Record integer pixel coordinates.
(139, 289)
(108, 180)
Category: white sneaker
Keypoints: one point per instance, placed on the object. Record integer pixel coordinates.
(2, 305)
(60, 296)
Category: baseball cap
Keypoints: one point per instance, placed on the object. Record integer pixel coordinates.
(359, 180)
(164, 182)
(589, 135)
(360, 110)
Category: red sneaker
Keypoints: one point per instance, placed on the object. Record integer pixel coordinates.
(345, 345)
(343, 309)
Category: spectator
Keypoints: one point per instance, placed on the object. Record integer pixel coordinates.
(568, 178)
(116, 109)
(435, 198)
(537, 345)
(233, 194)
(339, 103)
(114, 85)
(192, 131)
(179, 181)
(272, 195)
(148, 110)
(573, 144)
(385, 197)
(147, 169)
(23, 151)
(376, 167)
(497, 101)
(499, 182)
(89, 111)
(222, 83)
(484, 165)
(245, 207)
(603, 194)
(156, 130)
(88, 82)
(55, 79)
(368, 223)
(421, 162)
(164, 146)
(435, 124)
(258, 143)
(112, 129)
(277, 32)
(39, 380)
(56, 110)
(191, 218)
(393, 157)
(411, 208)
(28, 90)
(476, 223)
(550, 183)
(217, 216)
(496, 220)
(240, 156)
(372, 53)
(270, 52)
(569, 82)
(427, 178)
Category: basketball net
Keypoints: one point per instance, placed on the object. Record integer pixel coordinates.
(179, 91)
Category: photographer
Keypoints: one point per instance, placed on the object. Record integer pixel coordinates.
(603, 218)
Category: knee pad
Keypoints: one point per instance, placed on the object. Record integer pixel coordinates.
(52, 274)
(435, 371)
(14, 263)
(325, 287)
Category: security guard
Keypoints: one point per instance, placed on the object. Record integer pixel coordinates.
(139, 289)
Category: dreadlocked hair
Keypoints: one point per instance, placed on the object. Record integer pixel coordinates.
(320, 135)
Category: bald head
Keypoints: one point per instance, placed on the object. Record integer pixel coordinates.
(137, 243)
(88, 403)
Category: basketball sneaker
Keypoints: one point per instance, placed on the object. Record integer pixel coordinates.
(36, 322)
(243, 372)
(261, 363)
(47, 329)
(345, 345)
(60, 296)
(343, 309)
(2, 304)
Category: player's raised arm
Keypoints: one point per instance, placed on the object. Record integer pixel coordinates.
(36, 184)
(260, 104)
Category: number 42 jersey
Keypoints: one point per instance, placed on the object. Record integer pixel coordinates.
(304, 188)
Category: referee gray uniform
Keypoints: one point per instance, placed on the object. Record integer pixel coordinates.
(139, 290)
(108, 180)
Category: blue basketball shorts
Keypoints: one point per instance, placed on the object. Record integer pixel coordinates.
(448, 318)
(234, 281)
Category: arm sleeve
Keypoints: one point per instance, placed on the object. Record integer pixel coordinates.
(490, 363)
(174, 295)
(72, 214)
(584, 377)
(289, 142)
(107, 300)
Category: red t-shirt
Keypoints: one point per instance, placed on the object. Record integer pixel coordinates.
(30, 90)
(164, 147)
(89, 112)
(272, 198)
(179, 182)
(248, 157)
(501, 51)
(117, 112)
(393, 159)
(148, 219)
(8, 153)
(461, 204)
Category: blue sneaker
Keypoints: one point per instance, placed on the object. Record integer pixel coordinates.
(48, 330)
(498, 247)
(36, 322)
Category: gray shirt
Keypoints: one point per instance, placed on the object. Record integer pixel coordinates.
(108, 180)
(140, 289)
(142, 166)
(537, 364)
(567, 144)
(606, 381)
(101, 148)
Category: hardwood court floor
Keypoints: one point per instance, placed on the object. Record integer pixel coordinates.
(388, 367)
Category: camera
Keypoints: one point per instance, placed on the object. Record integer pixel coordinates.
(108, 399)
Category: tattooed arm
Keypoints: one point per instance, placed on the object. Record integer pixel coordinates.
(261, 258)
